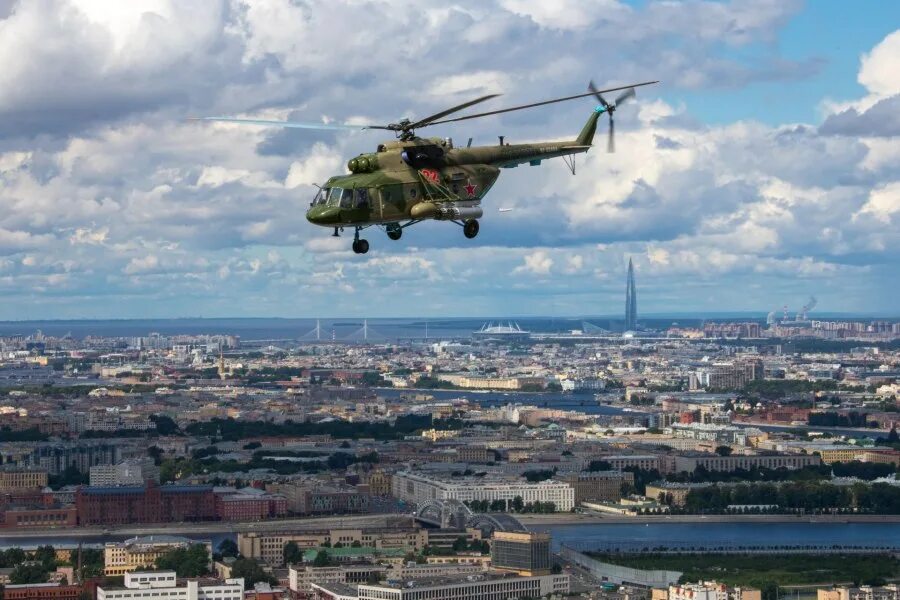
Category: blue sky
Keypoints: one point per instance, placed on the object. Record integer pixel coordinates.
(834, 33)
(763, 169)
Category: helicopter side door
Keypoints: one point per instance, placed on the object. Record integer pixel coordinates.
(392, 203)
(356, 205)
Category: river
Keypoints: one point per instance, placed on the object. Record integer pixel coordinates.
(635, 536)
(630, 536)
(585, 402)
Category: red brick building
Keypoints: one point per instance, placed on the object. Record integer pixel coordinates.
(150, 503)
(15, 517)
(239, 507)
(41, 591)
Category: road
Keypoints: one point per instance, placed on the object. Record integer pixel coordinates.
(215, 527)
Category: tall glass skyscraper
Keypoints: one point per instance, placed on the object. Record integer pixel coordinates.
(630, 300)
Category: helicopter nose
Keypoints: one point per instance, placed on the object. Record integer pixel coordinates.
(324, 215)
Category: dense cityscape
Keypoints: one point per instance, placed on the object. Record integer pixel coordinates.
(375, 468)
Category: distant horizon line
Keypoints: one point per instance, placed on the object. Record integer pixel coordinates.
(649, 315)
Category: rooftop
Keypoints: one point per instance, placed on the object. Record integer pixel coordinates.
(425, 582)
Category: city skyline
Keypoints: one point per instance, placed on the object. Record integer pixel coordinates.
(725, 194)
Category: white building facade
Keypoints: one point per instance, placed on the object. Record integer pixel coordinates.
(163, 585)
(482, 588)
(418, 488)
(128, 472)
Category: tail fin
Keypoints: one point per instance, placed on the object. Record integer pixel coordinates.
(586, 137)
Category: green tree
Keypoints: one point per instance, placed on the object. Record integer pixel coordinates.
(536, 475)
(155, 452)
(322, 559)
(91, 562)
(192, 561)
(599, 465)
(460, 544)
(373, 379)
(12, 557)
(518, 504)
(252, 573)
(893, 437)
(164, 425)
(340, 460)
(724, 450)
(228, 547)
(28, 573)
(70, 476)
(46, 555)
(374, 578)
(292, 553)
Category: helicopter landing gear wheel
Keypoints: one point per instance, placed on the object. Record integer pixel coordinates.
(359, 246)
(394, 232)
(470, 228)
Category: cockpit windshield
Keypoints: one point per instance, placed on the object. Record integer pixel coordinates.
(336, 196)
(321, 197)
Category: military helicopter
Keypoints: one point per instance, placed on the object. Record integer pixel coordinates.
(411, 179)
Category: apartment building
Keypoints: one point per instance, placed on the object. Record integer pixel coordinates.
(714, 462)
(13, 480)
(269, 546)
(141, 552)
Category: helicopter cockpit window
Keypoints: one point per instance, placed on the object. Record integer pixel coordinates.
(362, 198)
(321, 197)
(347, 198)
(334, 197)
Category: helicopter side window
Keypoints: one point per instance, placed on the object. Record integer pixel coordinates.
(362, 198)
(321, 197)
(334, 197)
(347, 198)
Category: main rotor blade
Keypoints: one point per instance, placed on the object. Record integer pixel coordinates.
(524, 106)
(289, 124)
(444, 113)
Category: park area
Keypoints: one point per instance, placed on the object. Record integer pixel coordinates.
(766, 571)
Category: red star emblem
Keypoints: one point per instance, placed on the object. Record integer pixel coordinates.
(470, 189)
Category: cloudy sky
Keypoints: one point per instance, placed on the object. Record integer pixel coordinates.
(763, 169)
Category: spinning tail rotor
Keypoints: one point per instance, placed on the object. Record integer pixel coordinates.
(610, 110)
